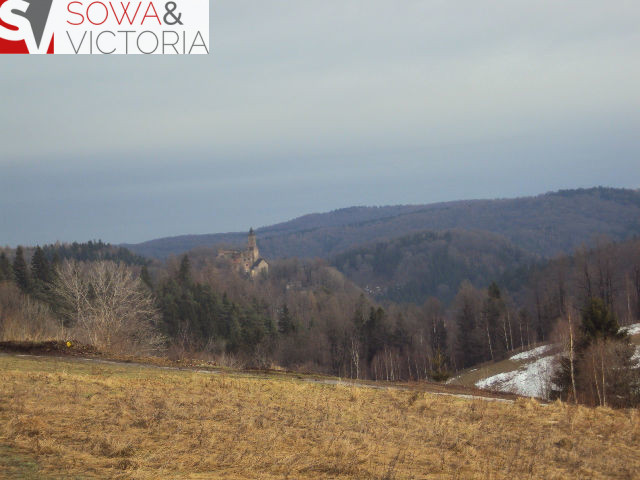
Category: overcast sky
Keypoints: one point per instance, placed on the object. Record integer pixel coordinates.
(311, 105)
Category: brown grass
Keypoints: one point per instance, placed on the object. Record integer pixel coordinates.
(68, 419)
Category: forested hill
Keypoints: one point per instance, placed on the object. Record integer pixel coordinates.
(430, 264)
(544, 225)
(163, 247)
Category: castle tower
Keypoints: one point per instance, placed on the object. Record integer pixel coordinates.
(253, 246)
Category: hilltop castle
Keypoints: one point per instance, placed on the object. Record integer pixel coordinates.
(248, 260)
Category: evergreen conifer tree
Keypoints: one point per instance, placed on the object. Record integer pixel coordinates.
(492, 311)
(6, 272)
(20, 271)
(184, 274)
(598, 321)
(285, 322)
(470, 341)
(601, 336)
(146, 277)
(234, 327)
(40, 268)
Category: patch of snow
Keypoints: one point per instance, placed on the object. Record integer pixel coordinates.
(636, 357)
(530, 354)
(632, 329)
(531, 380)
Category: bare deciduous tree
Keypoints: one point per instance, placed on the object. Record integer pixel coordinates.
(71, 291)
(108, 307)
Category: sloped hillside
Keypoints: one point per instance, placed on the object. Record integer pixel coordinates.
(65, 419)
(546, 224)
(415, 267)
(528, 372)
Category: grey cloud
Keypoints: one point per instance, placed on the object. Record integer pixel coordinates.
(309, 105)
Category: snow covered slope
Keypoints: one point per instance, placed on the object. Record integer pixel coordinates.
(531, 354)
(527, 373)
(531, 379)
(632, 329)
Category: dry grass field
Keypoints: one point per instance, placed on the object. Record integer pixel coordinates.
(62, 418)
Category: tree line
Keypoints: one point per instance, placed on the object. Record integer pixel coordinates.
(306, 315)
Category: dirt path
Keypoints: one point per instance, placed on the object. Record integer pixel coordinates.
(431, 388)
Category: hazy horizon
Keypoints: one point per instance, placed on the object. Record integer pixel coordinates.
(243, 228)
(315, 106)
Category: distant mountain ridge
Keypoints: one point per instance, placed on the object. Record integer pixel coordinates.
(163, 247)
(545, 225)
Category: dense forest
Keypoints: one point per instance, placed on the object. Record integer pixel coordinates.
(306, 315)
(431, 264)
(85, 252)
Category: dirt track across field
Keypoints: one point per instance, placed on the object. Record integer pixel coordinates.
(81, 353)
